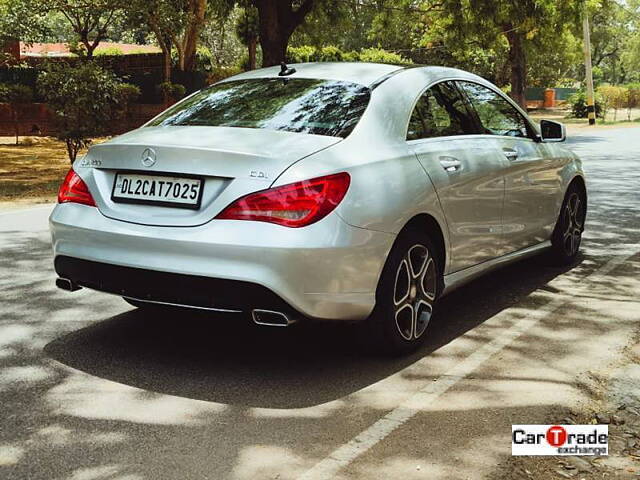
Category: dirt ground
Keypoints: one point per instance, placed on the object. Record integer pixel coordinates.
(31, 172)
(614, 400)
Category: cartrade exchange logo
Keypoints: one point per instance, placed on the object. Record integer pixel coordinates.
(560, 440)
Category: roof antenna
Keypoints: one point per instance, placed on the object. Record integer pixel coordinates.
(284, 70)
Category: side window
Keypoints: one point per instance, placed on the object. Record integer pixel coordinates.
(497, 116)
(440, 112)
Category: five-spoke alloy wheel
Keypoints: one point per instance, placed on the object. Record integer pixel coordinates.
(567, 235)
(407, 294)
(414, 292)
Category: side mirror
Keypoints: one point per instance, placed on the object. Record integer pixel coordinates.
(552, 131)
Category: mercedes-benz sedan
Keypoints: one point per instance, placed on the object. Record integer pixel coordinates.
(334, 191)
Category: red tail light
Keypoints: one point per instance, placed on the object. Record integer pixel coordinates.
(294, 205)
(73, 189)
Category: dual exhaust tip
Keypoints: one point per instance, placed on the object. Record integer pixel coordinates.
(269, 318)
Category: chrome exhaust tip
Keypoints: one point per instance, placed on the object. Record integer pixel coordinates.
(66, 284)
(271, 318)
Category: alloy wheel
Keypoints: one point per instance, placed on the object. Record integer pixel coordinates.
(414, 292)
(573, 222)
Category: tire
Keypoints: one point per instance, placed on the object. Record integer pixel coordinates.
(567, 234)
(405, 301)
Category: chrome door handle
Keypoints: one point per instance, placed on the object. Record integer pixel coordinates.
(510, 154)
(450, 164)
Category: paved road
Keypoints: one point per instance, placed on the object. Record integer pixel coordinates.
(92, 389)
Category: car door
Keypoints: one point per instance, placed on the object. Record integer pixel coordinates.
(531, 175)
(464, 170)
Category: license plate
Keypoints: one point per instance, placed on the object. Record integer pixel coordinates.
(164, 190)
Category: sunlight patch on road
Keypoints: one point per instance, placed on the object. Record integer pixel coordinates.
(267, 461)
(10, 455)
(82, 395)
(317, 411)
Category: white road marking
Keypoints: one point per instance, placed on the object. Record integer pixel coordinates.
(347, 453)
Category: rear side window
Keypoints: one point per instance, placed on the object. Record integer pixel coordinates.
(497, 116)
(320, 107)
(440, 112)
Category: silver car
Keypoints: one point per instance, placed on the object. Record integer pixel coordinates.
(333, 191)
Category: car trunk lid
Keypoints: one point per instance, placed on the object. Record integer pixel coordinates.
(232, 162)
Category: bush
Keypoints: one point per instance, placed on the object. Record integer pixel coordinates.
(220, 73)
(302, 54)
(330, 54)
(307, 53)
(125, 95)
(578, 102)
(107, 52)
(173, 91)
(84, 100)
(612, 97)
(633, 98)
(378, 55)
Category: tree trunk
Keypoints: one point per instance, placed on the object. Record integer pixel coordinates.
(197, 12)
(167, 66)
(272, 41)
(518, 62)
(14, 111)
(90, 49)
(278, 21)
(252, 53)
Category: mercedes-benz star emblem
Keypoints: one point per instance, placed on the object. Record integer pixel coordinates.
(148, 157)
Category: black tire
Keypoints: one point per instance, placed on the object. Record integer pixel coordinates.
(567, 234)
(399, 322)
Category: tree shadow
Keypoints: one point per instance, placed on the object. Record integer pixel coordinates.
(226, 359)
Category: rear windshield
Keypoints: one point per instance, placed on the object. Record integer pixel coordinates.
(321, 107)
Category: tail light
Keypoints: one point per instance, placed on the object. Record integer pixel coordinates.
(74, 190)
(294, 205)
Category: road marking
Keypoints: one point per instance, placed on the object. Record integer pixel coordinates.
(368, 438)
(26, 210)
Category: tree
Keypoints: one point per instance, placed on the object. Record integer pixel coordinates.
(185, 39)
(164, 18)
(247, 30)
(219, 37)
(19, 20)
(278, 20)
(89, 19)
(15, 95)
(84, 100)
(487, 22)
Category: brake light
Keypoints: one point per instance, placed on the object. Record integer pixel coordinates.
(74, 190)
(294, 205)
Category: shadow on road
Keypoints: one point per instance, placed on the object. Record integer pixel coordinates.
(228, 360)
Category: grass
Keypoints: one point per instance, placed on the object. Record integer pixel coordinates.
(32, 170)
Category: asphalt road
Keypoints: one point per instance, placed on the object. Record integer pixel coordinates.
(93, 389)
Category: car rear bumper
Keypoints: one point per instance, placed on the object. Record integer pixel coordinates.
(328, 270)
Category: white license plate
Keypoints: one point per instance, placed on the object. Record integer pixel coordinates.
(164, 190)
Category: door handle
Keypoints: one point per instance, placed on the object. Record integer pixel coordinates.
(450, 164)
(510, 153)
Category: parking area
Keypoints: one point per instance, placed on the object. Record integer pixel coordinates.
(93, 389)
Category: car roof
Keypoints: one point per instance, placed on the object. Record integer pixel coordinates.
(356, 72)
(364, 73)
